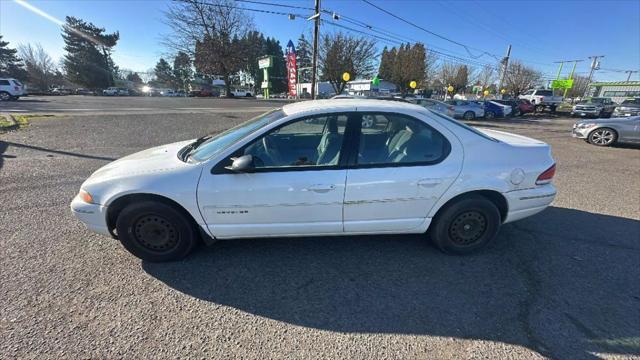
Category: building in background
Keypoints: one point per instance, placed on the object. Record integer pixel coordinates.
(617, 90)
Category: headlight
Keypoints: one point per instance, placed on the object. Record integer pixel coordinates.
(85, 196)
(586, 125)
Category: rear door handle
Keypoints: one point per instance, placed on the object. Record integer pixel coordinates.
(321, 188)
(429, 183)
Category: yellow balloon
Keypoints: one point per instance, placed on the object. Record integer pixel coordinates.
(503, 91)
(346, 76)
(450, 88)
(413, 84)
(486, 92)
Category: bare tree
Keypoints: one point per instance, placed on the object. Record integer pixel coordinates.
(192, 20)
(520, 78)
(580, 85)
(486, 76)
(340, 53)
(41, 69)
(454, 75)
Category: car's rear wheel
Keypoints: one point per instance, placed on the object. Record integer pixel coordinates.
(489, 114)
(539, 108)
(5, 96)
(469, 115)
(516, 112)
(603, 137)
(465, 225)
(156, 232)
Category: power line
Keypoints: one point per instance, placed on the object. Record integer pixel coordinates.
(433, 33)
(275, 4)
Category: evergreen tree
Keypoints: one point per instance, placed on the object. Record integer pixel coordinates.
(182, 70)
(278, 72)
(304, 61)
(255, 46)
(10, 64)
(134, 78)
(88, 60)
(164, 73)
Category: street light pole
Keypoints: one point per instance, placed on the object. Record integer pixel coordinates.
(505, 65)
(316, 30)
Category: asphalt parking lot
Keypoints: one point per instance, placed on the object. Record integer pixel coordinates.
(562, 284)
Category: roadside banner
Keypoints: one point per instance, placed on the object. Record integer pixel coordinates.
(292, 69)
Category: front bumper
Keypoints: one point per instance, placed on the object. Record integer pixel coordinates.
(586, 113)
(625, 113)
(527, 202)
(580, 133)
(92, 215)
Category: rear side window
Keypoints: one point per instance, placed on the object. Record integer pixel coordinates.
(397, 140)
(16, 82)
(4, 82)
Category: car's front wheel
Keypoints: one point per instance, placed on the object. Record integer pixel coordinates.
(5, 96)
(465, 225)
(156, 232)
(603, 137)
(469, 115)
(489, 114)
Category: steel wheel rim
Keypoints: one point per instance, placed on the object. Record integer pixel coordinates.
(155, 233)
(467, 228)
(602, 137)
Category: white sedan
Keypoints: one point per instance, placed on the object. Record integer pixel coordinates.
(310, 169)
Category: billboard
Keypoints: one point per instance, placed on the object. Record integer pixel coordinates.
(562, 84)
(292, 69)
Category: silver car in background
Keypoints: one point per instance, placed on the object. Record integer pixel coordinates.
(605, 132)
(435, 105)
(467, 110)
(629, 107)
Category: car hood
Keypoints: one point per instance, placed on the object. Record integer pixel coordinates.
(608, 121)
(158, 159)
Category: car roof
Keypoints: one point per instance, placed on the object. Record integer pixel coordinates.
(348, 105)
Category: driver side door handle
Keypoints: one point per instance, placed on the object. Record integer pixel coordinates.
(321, 188)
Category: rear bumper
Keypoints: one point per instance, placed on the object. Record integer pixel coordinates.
(524, 203)
(92, 215)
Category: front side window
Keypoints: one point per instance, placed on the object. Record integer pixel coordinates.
(309, 142)
(399, 139)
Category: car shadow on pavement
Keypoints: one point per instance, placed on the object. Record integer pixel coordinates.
(563, 283)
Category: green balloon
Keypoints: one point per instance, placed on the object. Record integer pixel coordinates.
(375, 81)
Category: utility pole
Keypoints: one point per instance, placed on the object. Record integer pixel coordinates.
(316, 29)
(594, 64)
(505, 64)
(630, 72)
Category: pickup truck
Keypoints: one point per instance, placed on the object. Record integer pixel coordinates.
(242, 93)
(542, 98)
(594, 107)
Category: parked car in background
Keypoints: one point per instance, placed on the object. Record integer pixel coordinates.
(241, 93)
(518, 106)
(594, 107)
(605, 132)
(436, 105)
(60, 91)
(11, 89)
(542, 98)
(115, 91)
(417, 172)
(629, 107)
(465, 109)
(493, 109)
(83, 91)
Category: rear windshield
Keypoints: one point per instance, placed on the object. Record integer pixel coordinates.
(544, 92)
(16, 82)
(462, 125)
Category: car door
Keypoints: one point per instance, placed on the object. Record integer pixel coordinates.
(403, 166)
(296, 186)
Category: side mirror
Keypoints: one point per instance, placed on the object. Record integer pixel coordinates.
(243, 163)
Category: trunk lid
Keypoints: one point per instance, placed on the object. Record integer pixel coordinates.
(512, 139)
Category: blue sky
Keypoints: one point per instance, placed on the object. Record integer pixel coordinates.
(540, 31)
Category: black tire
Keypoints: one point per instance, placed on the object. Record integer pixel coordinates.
(156, 232)
(516, 112)
(469, 115)
(539, 108)
(603, 137)
(247, 95)
(5, 96)
(489, 114)
(465, 225)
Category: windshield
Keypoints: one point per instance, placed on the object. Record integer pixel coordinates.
(592, 101)
(631, 102)
(225, 139)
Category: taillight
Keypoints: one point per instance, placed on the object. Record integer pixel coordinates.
(541, 98)
(546, 176)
